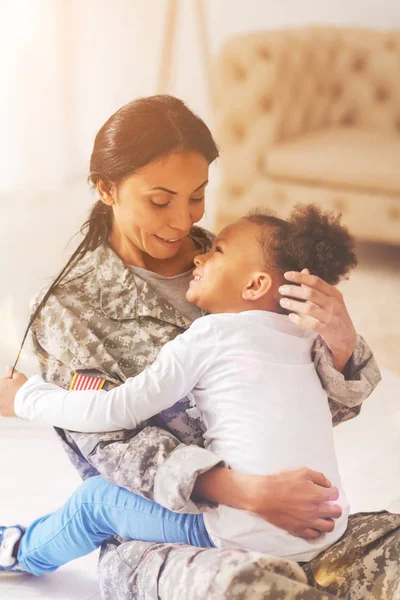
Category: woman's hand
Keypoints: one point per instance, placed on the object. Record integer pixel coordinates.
(295, 500)
(324, 312)
(8, 390)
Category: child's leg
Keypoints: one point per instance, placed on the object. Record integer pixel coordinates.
(96, 511)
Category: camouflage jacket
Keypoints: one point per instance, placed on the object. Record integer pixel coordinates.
(102, 317)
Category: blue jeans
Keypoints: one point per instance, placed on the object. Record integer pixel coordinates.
(95, 511)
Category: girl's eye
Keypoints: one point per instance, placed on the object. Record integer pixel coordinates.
(218, 249)
(157, 205)
(197, 199)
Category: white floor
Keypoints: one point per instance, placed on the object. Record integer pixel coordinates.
(36, 477)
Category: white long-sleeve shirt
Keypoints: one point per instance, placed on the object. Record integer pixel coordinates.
(260, 398)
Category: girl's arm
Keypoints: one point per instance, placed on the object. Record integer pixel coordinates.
(176, 371)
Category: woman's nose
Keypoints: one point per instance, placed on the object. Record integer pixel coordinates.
(182, 220)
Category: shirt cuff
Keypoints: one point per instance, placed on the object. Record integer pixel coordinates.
(176, 478)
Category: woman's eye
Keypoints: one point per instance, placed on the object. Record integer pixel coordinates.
(159, 205)
(197, 199)
(218, 249)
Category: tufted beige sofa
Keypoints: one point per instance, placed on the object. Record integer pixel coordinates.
(312, 115)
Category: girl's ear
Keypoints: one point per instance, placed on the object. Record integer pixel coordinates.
(258, 286)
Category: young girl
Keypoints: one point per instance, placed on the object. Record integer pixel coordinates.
(251, 373)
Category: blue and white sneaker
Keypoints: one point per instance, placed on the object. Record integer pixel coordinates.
(9, 537)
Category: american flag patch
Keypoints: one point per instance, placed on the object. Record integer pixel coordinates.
(86, 382)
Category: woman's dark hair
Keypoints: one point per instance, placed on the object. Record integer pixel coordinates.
(139, 133)
(310, 239)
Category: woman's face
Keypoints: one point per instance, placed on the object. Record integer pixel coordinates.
(155, 207)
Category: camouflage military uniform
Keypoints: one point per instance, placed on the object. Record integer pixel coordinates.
(103, 317)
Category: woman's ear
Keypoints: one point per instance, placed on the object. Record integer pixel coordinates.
(258, 286)
(106, 192)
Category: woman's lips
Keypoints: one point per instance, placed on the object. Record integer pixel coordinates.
(169, 243)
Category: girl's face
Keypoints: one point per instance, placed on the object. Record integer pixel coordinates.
(221, 275)
(155, 207)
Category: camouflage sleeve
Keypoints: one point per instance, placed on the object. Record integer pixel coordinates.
(150, 462)
(346, 391)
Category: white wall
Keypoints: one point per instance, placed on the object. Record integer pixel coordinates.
(116, 46)
(34, 115)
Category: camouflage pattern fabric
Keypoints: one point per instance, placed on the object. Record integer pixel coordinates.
(362, 565)
(103, 317)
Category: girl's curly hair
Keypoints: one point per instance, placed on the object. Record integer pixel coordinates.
(310, 239)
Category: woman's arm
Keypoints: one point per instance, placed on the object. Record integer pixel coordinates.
(347, 390)
(343, 360)
(321, 309)
(293, 500)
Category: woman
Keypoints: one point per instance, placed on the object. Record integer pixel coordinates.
(127, 280)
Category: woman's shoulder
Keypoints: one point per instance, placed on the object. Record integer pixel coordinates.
(82, 279)
(86, 267)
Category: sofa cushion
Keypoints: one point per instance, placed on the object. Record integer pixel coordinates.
(344, 157)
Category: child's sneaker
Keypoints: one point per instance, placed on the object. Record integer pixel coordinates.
(9, 537)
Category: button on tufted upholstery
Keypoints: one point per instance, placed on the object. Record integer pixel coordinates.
(288, 101)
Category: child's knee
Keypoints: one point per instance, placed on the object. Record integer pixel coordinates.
(92, 490)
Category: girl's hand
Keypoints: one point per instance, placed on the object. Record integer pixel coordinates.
(8, 390)
(323, 311)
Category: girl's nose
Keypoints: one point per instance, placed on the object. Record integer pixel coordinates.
(200, 259)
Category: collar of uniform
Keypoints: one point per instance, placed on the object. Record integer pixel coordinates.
(117, 285)
(125, 296)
